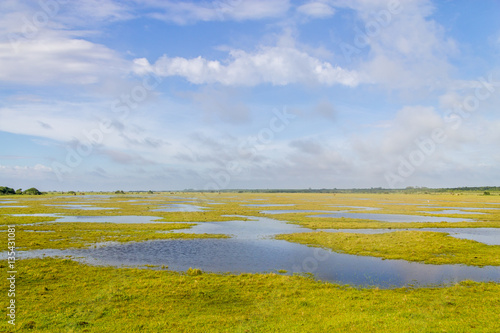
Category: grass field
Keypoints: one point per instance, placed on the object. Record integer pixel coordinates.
(60, 295)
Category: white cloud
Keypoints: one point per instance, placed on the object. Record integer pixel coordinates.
(183, 12)
(278, 65)
(400, 46)
(38, 171)
(96, 10)
(55, 59)
(316, 9)
(40, 45)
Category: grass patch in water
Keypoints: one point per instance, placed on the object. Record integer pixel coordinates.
(423, 246)
(10, 220)
(83, 234)
(305, 220)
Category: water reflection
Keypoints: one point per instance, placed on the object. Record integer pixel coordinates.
(369, 216)
(112, 219)
(489, 236)
(357, 207)
(180, 208)
(267, 205)
(394, 217)
(13, 206)
(451, 211)
(252, 249)
(82, 207)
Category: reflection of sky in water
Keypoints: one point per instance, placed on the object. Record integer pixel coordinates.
(287, 211)
(267, 205)
(369, 216)
(113, 219)
(489, 236)
(82, 207)
(13, 206)
(357, 207)
(179, 208)
(253, 250)
(450, 211)
(394, 217)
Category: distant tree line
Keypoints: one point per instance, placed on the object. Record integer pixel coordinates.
(4, 190)
(407, 190)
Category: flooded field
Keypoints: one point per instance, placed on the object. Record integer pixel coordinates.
(250, 245)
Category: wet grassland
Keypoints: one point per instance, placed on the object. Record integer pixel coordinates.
(60, 295)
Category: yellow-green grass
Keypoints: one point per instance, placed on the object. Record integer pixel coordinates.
(79, 235)
(44, 205)
(11, 220)
(234, 204)
(318, 222)
(421, 246)
(57, 295)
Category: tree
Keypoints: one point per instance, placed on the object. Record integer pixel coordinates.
(32, 191)
(6, 190)
(19, 191)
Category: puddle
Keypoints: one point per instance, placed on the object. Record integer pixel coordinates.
(8, 201)
(252, 250)
(39, 214)
(489, 236)
(13, 206)
(112, 219)
(289, 211)
(451, 211)
(404, 204)
(82, 207)
(394, 217)
(180, 208)
(461, 208)
(357, 207)
(256, 229)
(268, 205)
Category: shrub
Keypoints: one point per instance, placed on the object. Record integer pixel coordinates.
(32, 191)
(194, 271)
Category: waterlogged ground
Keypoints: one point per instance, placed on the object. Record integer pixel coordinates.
(383, 240)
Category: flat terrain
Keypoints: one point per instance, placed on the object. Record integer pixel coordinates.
(61, 295)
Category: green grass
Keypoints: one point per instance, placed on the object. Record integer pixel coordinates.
(67, 235)
(306, 221)
(423, 246)
(11, 220)
(56, 295)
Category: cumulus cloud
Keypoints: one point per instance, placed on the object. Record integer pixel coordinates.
(38, 171)
(183, 12)
(278, 65)
(41, 44)
(316, 9)
(400, 45)
(56, 59)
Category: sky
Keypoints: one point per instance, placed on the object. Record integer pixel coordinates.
(209, 95)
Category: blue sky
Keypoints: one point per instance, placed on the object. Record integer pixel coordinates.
(150, 94)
